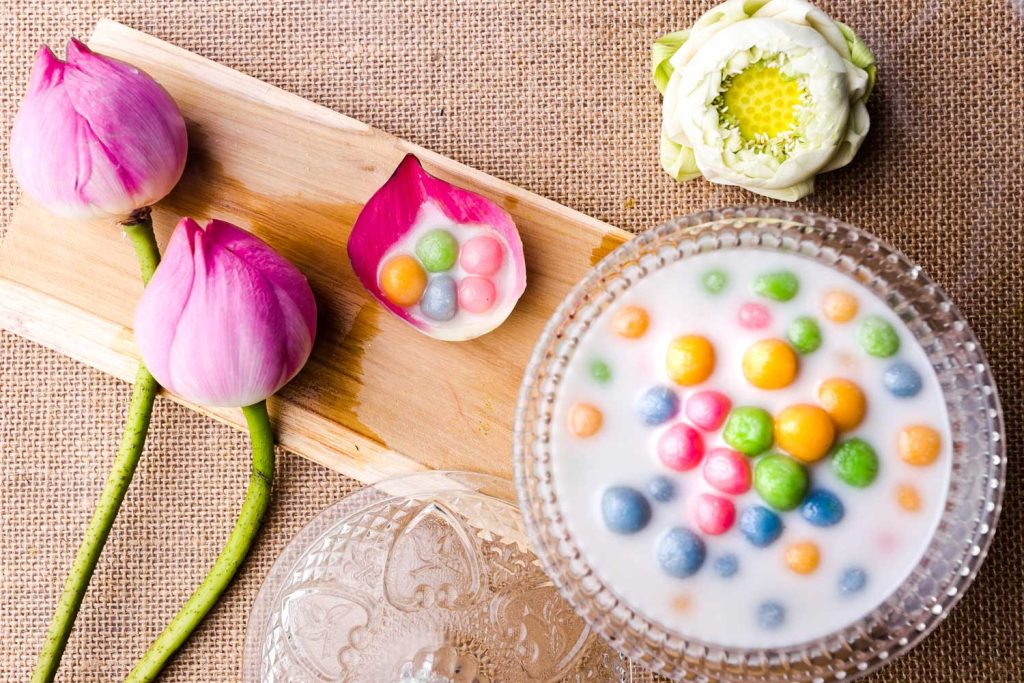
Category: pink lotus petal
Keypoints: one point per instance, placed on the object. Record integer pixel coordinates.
(282, 274)
(47, 72)
(161, 306)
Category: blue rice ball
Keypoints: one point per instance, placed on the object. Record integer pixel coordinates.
(726, 565)
(902, 380)
(771, 615)
(852, 580)
(658, 405)
(681, 553)
(661, 489)
(624, 509)
(821, 507)
(439, 301)
(760, 526)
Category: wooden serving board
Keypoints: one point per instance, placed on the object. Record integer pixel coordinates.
(377, 397)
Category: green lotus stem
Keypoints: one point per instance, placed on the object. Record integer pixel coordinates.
(139, 229)
(257, 498)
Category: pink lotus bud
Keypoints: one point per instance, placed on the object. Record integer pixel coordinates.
(96, 137)
(225, 321)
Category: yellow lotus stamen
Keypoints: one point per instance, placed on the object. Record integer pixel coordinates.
(763, 102)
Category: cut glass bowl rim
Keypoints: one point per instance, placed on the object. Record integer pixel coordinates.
(869, 643)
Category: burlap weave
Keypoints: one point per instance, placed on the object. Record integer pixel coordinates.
(553, 96)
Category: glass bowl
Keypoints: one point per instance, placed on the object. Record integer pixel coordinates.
(965, 530)
(426, 578)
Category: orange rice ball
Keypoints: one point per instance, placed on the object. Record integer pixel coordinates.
(585, 420)
(805, 432)
(908, 498)
(402, 279)
(803, 557)
(769, 364)
(839, 306)
(919, 445)
(844, 401)
(631, 322)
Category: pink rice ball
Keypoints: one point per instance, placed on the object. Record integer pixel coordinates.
(714, 514)
(482, 255)
(708, 409)
(727, 471)
(754, 316)
(681, 447)
(476, 294)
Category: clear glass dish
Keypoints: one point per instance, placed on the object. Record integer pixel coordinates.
(959, 545)
(426, 578)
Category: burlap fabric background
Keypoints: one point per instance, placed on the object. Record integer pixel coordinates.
(553, 96)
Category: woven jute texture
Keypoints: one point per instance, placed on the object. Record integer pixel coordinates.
(553, 96)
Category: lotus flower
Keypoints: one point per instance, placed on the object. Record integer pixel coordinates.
(225, 321)
(95, 137)
(763, 94)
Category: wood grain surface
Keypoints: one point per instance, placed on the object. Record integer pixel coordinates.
(377, 397)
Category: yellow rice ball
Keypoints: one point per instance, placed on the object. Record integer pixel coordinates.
(805, 432)
(844, 401)
(690, 360)
(769, 364)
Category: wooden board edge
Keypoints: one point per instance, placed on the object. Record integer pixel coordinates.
(109, 348)
(110, 32)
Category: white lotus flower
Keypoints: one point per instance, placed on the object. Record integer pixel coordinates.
(763, 94)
